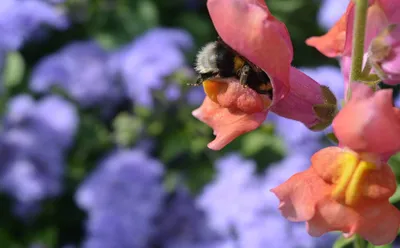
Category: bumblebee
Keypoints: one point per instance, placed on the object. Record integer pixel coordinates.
(218, 60)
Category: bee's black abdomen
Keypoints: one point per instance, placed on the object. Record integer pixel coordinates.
(225, 61)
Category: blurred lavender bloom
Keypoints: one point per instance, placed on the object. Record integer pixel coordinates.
(32, 145)
(297, 137)
(397, 101)
(2, 66)
(238, 205)
(122, 198)
(195, 96)
(81, 70)
(182, 224)
(144, 64)
(172, 92)
(234, 196)
(20, 18)
(331, 11)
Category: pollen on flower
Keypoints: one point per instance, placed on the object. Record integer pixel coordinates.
(348, 188)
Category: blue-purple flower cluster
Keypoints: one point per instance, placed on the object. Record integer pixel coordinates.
(125, 197)
(33, 140)
(20, 19)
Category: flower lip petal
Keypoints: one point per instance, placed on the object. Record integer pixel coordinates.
(332, 44)
(369, 122)
(260, 38)
(227, 123)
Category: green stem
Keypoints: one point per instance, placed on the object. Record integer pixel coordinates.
(359, 242)
(359, 27)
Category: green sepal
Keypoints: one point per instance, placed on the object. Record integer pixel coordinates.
(332, 137)
(329, 97)
(320, 126)
(379, 246)
(325, 112)
(343, 242)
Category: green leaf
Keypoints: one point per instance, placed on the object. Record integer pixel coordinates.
(14, 69)
(127, 129)
(148, 13)
(379, 246)
(257, 141)
(342, 242)
(107, 40)
(332, 137)
(394, 163)
(47, 236)
(396, 196)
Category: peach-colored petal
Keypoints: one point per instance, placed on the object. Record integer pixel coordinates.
(305, 93)
(231, 94)
(331, 216)
(379, 223)
(379, 184)
(325, 162)
(299, 195)
(332, 43)
(376, 21)
(249, 28)
(310, 196)
(227, 123)
(369, 123)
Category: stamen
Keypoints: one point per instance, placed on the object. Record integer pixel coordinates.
(353, 191)
(349, 163)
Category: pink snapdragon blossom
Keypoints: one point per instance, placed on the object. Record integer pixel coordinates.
(347, 188)
(381, 15)
(232, 110)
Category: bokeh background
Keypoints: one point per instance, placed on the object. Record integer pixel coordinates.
(98, 147)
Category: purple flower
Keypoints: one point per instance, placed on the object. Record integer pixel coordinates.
(122, 197)
(32, 145)
(238, 204)
(397, 101)
(182, 224)
(234, 196)
(195, 96)
(20, 18)
(331, 11)
(144, 64)
(81, 70)
(297, 137)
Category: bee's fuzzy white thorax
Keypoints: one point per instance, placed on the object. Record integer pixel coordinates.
(206, 60)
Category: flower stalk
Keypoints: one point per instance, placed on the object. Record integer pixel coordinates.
(360, 20)
(357, 72)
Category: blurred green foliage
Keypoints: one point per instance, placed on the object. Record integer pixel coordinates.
(179, 140)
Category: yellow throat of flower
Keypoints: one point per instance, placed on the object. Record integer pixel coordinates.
(351, 173)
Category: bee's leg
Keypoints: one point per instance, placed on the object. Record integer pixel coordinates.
(244, 73)
(198, 82)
